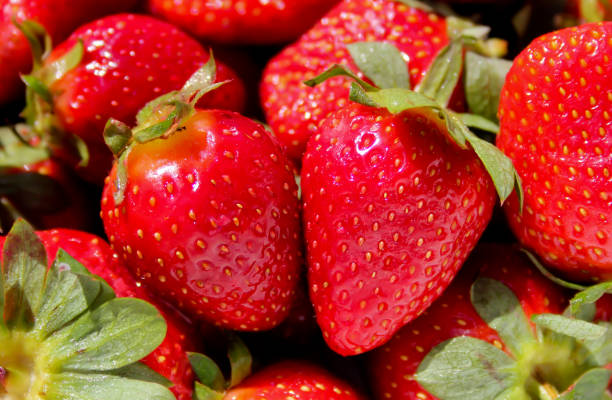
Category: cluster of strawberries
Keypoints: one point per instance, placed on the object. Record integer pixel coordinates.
(396, 128)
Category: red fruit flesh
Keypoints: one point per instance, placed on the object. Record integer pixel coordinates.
(453, 315)
(210, 222)
(169, 359)
(244, 22)
(561, 147)
(129, 60)
(294, 111)
(391, 211)
(293, 379)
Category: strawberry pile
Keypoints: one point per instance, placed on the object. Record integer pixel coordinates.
(305, 200)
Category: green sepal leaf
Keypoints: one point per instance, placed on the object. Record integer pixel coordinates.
(207, 371)
(141, 372)
(145, 114)
(484, 79)
(121, 177)
(116, 135)
(75, 386)
(589, 295)
(466, 368)
(461, 28)
(499, 307)
(202, 78)
(592, 10)
(179, 111)
(534, 260)
(202, 392)
(24, 267)
(56, 70)
(592, 385)
(81, 147)
(38, 38)
(338, 70)
(442, 76)
(38, 87)
(585, 312)
(119, 332)
(240, 360)
(600, 349)
(578, 329)
(382, 62)
(16, 153)
(479, 122)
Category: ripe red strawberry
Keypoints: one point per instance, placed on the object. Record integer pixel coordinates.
(59, 17)
(203, 207)
(243, 22)
(293, 111)
(484, 319)
(170, 358)
(556, 126)
(128, 60)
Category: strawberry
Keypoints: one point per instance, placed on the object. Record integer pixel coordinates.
(59, 17)
(244, 22)
(170, 358)
(111, 78)
(203, 207)
(479, 340)
(560, 148)
(64, 335)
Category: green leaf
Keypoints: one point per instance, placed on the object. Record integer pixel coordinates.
(499, 307)
(37, 37)
(549, 275)
(58, 68)
(75, 386)
(145, 115)
(25, 267)
(592, 385)
(81, 148)
(443, 74)
(382, 62)
(466, 368)
(600, 348)
(116, 135)
(461, 28)
(358, 95)
(207, 371)
(121, 177)
(202, 78)
(66, 296)
(591, 11)
(37, 86)
(16, 153)
(141, 372)
(484, 79)
(581, 330)
(589, 295)
(202, 392)
(119, 332)
(240, 360)
(479, 122)
(338, 70)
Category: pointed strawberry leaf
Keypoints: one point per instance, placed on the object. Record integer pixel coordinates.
(201, 79)
(466, 368)
(499, 307)
(338, 70)
(25, 267)
(600, 348)
(591, 10)
(76, 386)
(589, 295)
(207, 371)
(38, 87)
(240, 360)
(592, 385)
(16, 153)
(479, 122)
(578, 329)
(121, 177)
(382, 62)
(37, 37)
(202, 392)
(141, 372)
(56, 70)
(461, 28)
(484, 78)
(116, 135)
(442, 76)
(534, 260)
(119, 332)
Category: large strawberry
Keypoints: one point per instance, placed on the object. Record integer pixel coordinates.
(64, 335)
(169, 358)
(59, 17)
(112, 67)
(243, 22)
(395, 198)
(203, 206)
(495, 333)
(557, 128)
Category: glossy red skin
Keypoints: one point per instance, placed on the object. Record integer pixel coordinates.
(210, 221)
(244, 22)
(563, 159)
(390, 215)
(293, 380)
(59, 17)
(170, 358)
(129, 60)
(453, 315)
(295, 111)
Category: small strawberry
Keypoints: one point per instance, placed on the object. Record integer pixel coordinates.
(169, 358)
(64, 335)
(203, 207)
(495, 333)
(117, 64)
(58, 17)
(243, 22)
(556, 126)
(395, 198)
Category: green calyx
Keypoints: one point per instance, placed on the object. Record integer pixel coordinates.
(64, 335)
(595, 10)
(39, 114)
(562, 358)
(158, 119)
(212, 384)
